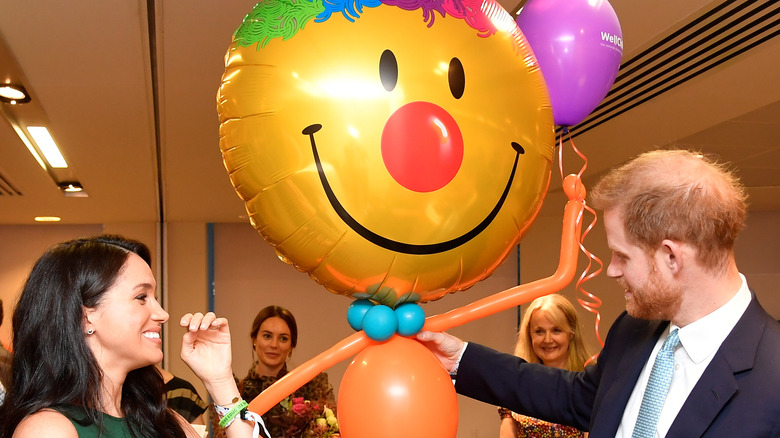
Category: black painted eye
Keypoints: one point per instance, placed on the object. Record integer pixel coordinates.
(388, 70)
(457, 78)
(519, 149)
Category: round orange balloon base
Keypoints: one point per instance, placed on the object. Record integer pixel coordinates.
(397, 389)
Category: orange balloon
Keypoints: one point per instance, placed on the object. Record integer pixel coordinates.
(397, 389)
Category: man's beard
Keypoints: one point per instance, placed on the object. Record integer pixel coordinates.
(656, 299)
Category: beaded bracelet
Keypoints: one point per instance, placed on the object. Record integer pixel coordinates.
(231, 414)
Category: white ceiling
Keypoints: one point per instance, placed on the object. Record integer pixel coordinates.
(150, 154)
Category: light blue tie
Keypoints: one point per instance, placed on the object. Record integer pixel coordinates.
(657, 387)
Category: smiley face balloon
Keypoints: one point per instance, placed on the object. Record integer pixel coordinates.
(394, 151)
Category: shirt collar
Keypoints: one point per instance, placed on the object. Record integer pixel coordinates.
(702, 338)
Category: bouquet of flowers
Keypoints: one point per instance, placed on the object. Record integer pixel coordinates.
(306, 419)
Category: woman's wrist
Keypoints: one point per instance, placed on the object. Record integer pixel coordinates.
(224, 392)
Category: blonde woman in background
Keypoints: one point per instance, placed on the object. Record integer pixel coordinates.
(550, 335)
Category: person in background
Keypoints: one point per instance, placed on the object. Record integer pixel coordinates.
(274, 335)
(549, 334)
(183, 398)
(671, 219)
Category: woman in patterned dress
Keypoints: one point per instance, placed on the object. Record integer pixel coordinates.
(274, 334)
(549, 334)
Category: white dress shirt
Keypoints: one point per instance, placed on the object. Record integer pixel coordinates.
(699, 341)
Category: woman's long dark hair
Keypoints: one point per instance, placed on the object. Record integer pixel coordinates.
(52, 364)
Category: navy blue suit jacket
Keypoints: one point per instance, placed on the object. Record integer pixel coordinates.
(737, 396)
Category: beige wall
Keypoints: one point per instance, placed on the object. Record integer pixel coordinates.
(758, 257)
(186, 289)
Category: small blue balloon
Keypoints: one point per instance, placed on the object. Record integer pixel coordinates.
(380, 323)
(411, 319)
(356, 312)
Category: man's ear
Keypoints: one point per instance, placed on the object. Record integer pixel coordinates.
(673, 255)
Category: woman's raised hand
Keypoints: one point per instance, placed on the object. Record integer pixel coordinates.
(206, 346)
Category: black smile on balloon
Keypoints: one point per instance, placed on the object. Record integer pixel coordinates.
(394, 245)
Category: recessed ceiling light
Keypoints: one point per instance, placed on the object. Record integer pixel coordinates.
(71, 187)
(49, 149)
(47, 219)
(13, 94)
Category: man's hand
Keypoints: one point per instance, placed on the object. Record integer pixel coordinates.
(445, 347)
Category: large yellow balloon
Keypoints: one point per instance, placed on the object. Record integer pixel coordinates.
(392, 154)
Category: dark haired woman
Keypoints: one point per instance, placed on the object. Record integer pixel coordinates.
(86, 338)
(274, 334)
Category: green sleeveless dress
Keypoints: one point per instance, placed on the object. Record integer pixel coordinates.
(112, 427)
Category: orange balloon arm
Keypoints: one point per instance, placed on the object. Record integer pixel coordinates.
(352, 345)
(302, 374)
(570, 237)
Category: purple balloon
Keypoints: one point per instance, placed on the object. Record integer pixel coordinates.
(578, 44)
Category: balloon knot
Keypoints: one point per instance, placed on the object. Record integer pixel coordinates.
(573, 187)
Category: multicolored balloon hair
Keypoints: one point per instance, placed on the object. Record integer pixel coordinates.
(271, 19)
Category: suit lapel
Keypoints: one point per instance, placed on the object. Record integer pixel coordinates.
(619, 381)
(715, 387)
(717, 384)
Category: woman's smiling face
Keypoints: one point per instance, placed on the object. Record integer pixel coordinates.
(550, 342)
(273, 345)
(128, 320)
